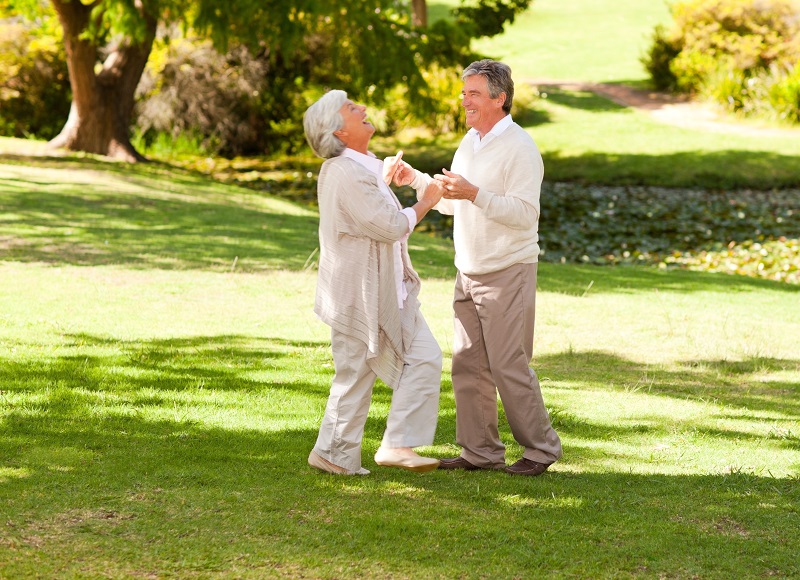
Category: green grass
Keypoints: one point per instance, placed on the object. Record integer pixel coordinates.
(159, 396)
(588, 139)
(162, 375)
(587, 40)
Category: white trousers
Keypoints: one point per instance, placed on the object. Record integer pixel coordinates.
(415, 403)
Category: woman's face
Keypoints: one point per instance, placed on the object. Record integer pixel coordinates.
(356, 131)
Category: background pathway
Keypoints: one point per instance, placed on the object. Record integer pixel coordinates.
(669, 109)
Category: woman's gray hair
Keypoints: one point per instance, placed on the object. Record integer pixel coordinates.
(321, 120)
(498, 77)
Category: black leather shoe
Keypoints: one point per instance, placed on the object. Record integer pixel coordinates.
(527, 467)
(457, 463)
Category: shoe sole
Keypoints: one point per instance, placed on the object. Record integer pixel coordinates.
(424, 468)
(323, 464)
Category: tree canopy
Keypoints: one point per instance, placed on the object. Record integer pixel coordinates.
(364, 45)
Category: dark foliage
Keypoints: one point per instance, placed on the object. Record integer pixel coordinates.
(34, 82)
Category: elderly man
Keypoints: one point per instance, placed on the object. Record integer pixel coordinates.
(367, 293)
(492, 191)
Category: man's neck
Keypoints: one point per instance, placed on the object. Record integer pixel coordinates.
(487, 130)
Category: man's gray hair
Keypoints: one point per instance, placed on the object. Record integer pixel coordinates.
(321, 120)
(498, 77)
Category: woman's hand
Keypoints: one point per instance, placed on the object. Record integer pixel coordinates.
(397, 170)
(433, 193)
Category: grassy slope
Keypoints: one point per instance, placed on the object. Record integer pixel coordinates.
(574, 39)
(589, 139)
(157, 405)
(579, 40)
(162, 378)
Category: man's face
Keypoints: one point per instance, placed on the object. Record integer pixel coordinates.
(483, 112)
(356, 131)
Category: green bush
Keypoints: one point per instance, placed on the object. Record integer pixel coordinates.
(244, 102)
(784, 96)
(663, 50)
(729, 87)
(190, 88)
(748, 35)
(739, 53)
(34, 82)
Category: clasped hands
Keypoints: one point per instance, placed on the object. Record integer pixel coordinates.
(452, 185)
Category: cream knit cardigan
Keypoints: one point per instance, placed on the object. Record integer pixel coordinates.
(356, 291)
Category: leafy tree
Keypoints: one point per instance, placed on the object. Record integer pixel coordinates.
(489, 17)
(34, 81)
(108, 43)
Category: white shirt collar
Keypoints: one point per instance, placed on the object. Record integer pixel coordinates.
(369, 160)
(498, 128)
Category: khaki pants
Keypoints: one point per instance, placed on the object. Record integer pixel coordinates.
(492, 349)
(415, 403)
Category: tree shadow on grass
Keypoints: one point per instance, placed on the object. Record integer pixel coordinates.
(170, 219)
(583, 100)
(580, 280)
(683, 169)
(215, 363)
(109, 228)
(730, 384)
(733, 168)
(87, 490)
(104, 471)
(234, 363)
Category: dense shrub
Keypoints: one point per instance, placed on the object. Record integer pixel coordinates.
(663, 50)
(241, 103)
(740, 53)
(34, 82)
(191, 89)
(646, 224)
(784, 95)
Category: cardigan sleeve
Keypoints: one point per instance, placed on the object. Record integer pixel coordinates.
(420, 183)
(369, 213)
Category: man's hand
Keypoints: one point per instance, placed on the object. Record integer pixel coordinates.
(455, 186)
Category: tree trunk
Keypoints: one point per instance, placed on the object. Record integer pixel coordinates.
(419, 9)
(102, 102)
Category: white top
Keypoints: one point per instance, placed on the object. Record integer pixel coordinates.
(499, 127)
(375, 165)
(501, 227)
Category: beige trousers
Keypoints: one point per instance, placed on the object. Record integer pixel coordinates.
(415, 403)
(492, 348)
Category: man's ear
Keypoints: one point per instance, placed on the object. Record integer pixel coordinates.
(502, 98)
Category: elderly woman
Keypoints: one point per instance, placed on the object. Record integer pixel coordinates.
(367, 293)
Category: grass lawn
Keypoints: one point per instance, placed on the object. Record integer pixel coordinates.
(588, 139)
(162, 378)
(586, 40)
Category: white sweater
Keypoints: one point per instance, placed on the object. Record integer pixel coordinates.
(500, 228)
